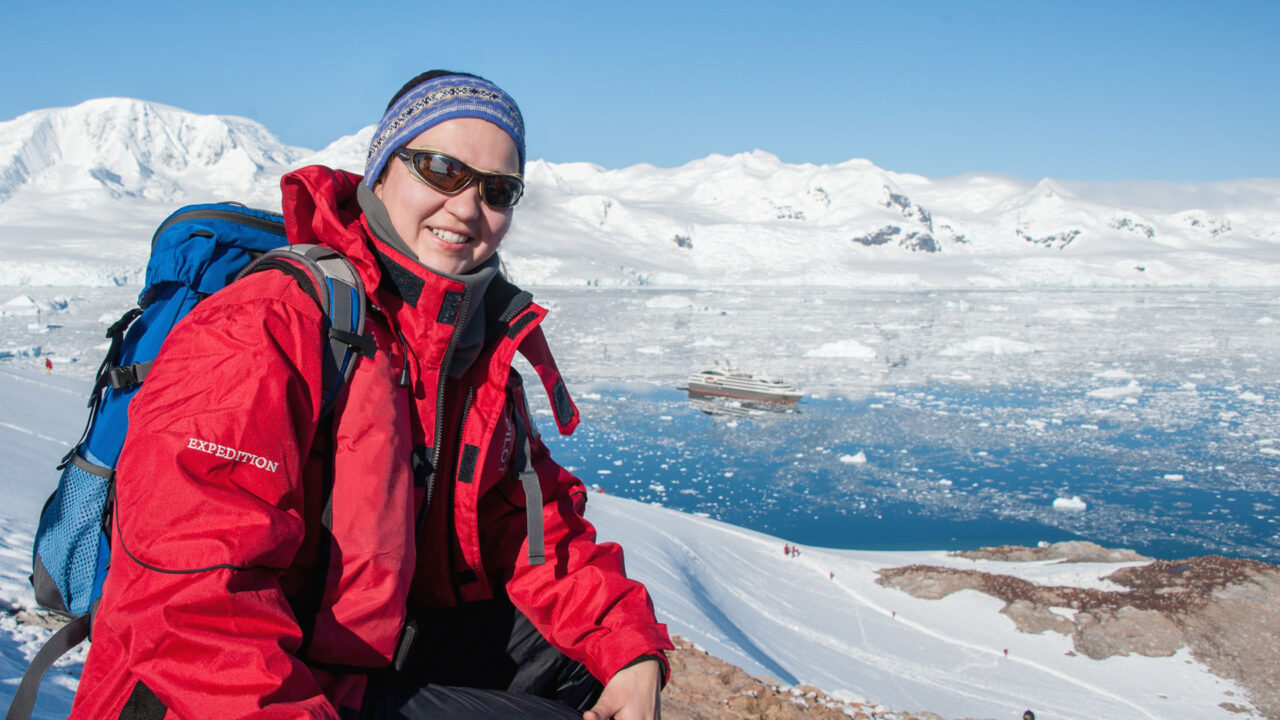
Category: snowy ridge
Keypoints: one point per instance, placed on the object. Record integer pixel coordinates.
(100, 175)
(114, 148)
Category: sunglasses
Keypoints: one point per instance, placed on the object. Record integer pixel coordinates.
(451, 176)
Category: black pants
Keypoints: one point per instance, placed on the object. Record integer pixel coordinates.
(481, 660)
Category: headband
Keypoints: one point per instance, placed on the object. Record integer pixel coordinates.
(435, 101)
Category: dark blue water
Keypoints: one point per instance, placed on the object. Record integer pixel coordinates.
(948, 467)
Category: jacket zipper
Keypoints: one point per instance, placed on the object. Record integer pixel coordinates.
(462, 425)
(440, 397)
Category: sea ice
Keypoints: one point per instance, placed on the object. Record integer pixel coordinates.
(1114, 374)
(1071, 504)
(858, 459)
(990, 345)
(1131, 390)
(843, 349)
(22, 305)
(669, 302)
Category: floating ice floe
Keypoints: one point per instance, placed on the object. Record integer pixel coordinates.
(843, 349)
(669, 302)
(1132, 390)
(1174, 476)
(858, 459)
(1066, 313)
(1252, 397)
(21, 306)
(1071, 504)
(1114, 374)
(990, 345)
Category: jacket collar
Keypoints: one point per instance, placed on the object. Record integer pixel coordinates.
(321, 206)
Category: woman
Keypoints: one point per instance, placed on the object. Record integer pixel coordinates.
(382, 563)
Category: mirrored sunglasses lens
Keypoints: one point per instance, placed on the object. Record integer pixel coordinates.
(501, 191)
(442, 171)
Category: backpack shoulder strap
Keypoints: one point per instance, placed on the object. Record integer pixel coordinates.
(330, 280)
(67, 637)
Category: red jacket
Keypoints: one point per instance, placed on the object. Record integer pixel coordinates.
(221, 506)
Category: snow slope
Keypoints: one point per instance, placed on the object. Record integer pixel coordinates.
(818, 619)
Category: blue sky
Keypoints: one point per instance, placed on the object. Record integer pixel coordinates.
(1181, 91)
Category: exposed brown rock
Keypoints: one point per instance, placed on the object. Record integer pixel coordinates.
(1033, 618)
(704, 687)
(1126, 630)
(1225, 610)
(1071, 551)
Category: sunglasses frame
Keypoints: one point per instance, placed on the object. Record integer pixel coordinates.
(408, 154)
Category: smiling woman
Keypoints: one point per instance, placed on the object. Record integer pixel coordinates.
(416, 553)
(452, 232)
(427, 196)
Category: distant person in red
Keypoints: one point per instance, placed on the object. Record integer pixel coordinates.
(48, 365)
(786, 550)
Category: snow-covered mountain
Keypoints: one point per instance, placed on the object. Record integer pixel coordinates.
(93, 180)
(114, 148)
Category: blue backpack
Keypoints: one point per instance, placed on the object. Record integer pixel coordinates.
(195, 252)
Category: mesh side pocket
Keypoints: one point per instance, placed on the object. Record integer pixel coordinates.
(70, 547)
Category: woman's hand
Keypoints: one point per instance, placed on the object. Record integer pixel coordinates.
(632, 694)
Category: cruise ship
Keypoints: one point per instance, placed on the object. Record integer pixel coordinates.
(730, 383)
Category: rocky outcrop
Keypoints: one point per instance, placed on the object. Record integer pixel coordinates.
(704, 687)
(1070, 551)
(1226, 611)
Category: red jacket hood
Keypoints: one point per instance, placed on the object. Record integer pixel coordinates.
(320, 208)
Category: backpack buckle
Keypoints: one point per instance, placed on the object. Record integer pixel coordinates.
(123, 378)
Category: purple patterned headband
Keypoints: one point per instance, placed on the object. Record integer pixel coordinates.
(435, 101)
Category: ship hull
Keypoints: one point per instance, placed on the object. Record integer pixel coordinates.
(742, 392)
